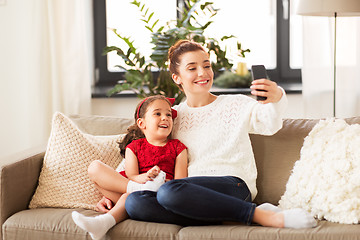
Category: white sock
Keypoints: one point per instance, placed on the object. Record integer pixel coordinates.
(153, 185)
(96, 226)
(269, 207)
(298, 218)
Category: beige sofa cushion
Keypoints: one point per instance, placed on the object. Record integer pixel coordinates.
(276, 155)
(63, 180)
(101, 125)
(324, 230)
(54, 223)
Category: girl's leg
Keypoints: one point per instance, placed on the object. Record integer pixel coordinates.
(112, 184)
(118, 211)
(107, 180)
(98, 226)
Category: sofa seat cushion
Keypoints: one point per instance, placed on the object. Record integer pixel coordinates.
(324, 230)
(56, 223)
(44, 223)
(138, 230)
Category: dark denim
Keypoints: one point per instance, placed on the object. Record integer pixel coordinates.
(194, 201)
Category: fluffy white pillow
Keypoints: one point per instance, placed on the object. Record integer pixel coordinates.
(63, 180)
(326, 179)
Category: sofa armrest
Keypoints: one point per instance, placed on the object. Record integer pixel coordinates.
(19, 175)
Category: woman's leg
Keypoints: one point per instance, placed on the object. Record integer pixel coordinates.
(225, 199)
(143, 206)
(210, 199)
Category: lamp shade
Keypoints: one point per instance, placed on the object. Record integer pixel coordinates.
(329, 7)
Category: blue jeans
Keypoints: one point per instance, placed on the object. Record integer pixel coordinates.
(194, 201)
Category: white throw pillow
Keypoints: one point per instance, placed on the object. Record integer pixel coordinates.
(326, 179)
(63, 180)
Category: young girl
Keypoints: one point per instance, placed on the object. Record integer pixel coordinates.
(151, 157)
(222, 169)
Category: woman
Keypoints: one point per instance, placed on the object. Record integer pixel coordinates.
(222, 171)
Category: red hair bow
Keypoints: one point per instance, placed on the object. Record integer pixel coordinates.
(173, 111)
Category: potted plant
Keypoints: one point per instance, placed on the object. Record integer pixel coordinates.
(138, 71)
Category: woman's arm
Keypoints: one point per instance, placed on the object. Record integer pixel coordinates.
(132, 168)
(266, 116)
(181, 165)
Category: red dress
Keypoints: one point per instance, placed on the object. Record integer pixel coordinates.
(149, 155)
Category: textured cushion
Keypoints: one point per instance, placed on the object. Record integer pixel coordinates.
(63, 180)
(326, 180)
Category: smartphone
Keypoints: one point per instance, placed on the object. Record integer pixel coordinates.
(258, 72)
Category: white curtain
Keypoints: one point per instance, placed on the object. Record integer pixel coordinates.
(47, 51)
(318, 60)
(62, 46)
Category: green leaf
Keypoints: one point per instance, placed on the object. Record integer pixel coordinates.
(206, 25)
(149, 18)
(227, 37)
(136, 3)
(205, 5)
(152, 27)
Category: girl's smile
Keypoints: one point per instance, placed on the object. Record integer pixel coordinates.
(157, 123)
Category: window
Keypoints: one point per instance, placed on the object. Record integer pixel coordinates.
(263, 26)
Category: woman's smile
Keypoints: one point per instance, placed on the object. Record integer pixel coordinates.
(202, 82)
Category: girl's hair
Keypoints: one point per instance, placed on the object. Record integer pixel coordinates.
(178, 49)
(134, 132)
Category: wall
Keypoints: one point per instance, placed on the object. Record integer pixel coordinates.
(16, 61)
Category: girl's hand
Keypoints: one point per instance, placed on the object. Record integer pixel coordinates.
(148, 176)
(273, 93)
(153, 172)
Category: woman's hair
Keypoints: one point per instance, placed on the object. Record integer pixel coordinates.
(178, 49)
(134, 132)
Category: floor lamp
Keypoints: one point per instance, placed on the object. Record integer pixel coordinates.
(330, 8)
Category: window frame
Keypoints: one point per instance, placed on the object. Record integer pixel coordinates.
(105, 79)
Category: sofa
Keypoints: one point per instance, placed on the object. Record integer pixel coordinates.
(275, 157)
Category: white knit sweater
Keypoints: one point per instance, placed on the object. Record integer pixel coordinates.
(217, 135)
